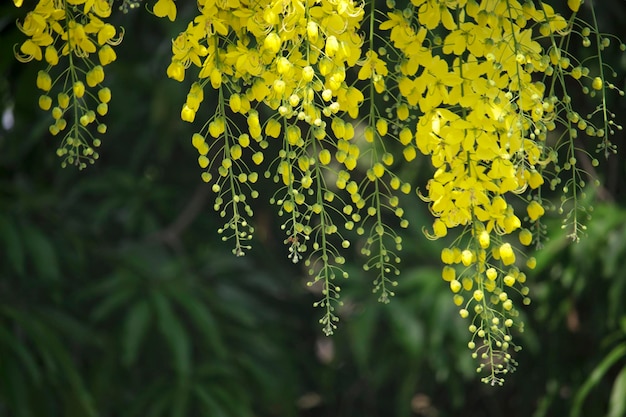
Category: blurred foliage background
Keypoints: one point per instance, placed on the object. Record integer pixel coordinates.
(117, 297)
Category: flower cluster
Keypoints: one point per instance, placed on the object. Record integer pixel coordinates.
(286, 100)
(479, 87)
(489, 86)
(66, 35)
(331, 99)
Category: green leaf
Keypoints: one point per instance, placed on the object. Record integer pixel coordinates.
(24, 356)
(41, 253)
(361, 328)
(203, 320)
(211, 406)
(16, 394)
(159, 404)
(596, 376)
(67, 324)
(60, 368)
(617, 403)
(180, 401)
(173, 332)
(407, 329)
(135, 328)
(145, 397)
(12, 244)
(111, 303)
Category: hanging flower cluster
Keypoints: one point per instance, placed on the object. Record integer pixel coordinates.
(286, 100)
(67, 34)
(489, 82)
(328, 98)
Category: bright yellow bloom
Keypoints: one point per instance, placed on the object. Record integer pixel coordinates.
(79, 89)
(176, 71)
(257, 158)
(187, 114)
(448, 273)
(106, 55)
(534, 210)
(574, 5)
(324, 156)
(45, 102)
(197, 140)
(273, 128)
(164, 8)
(104, 95)
(95, 76)
(51, 55)
(506, 254)
(525, 237)
(597, 83)
(44, 81)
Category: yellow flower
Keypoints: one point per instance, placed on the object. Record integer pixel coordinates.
(272, 42)
(574, 5)
(381, 127)
(104, 95)
(308, 73)
(203, 161)
(448, 273)
(506, 254)
(484, 239)
(332, 46)
(95, 76)
(216, 127)
(106, 33)
(64, 100)
(509, 280)
(273, 128)
(294, 135)
(51, 55)
(597, 83)
(525, 237)
(439, 228)
(78, 40)
(235, 152)
(257, 158)
(164, 8)
(102, 109)
(324, 157)
(106, 55)
(467, 257)
(31, 51)
(216, 78)
(235, 103)
(44, 81)
(176, 71)
(409, 153)
(197, 140)
(187, 114)
(534, 210)
(79, 89)
(45, 102)
(372, 66)
(455, 286)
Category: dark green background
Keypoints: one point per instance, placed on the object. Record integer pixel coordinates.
(117, 297)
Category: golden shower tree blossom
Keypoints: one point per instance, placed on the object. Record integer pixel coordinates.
(348, 93)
